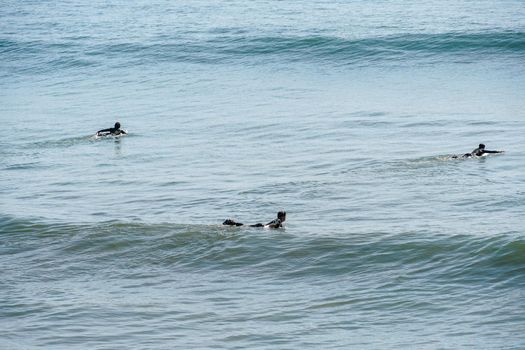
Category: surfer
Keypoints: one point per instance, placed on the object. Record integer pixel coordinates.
(275, 223)
(111, 131)
(478, 152)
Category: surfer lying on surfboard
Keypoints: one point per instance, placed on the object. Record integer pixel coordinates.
(478, 152)
(276, 223)
(111, 131)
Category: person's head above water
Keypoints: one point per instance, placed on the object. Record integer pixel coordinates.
(482, 146)
(117, 125)
(281, 216)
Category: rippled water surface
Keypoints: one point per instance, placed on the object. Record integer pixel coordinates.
(345, 114)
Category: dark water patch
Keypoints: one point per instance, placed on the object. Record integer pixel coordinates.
(70, 63)
(14, 47)
(22, 166)
(425, 124)
(483, 123)
(369, 123)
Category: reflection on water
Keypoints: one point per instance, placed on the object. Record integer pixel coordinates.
(118, 147)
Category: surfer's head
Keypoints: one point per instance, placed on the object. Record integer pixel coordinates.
(481, 146)
(117, 125)
(281, 216)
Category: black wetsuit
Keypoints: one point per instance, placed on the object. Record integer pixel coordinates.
(111, 131)
(276, 223)
(478, 152)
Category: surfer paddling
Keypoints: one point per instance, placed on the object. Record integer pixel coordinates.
(112, 131)
(478, 152)
(276, 223)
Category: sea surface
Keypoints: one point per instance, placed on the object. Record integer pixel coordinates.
(346, 114)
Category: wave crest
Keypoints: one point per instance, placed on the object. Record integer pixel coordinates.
(218, 48)
(495, 259)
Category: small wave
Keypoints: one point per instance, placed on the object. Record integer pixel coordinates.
(218, 48)
(22, 166)
(298, 48)
(389, 47)
(215, 247)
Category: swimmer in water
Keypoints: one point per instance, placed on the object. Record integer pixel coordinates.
(276, 223)
(478, 152)
(111, 131)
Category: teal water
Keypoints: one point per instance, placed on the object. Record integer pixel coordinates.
(345, 114)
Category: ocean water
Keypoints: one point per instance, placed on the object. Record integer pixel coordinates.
(343, 113)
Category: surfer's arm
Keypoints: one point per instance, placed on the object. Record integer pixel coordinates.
(103, 130)
(274, 224)
(493, 151)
